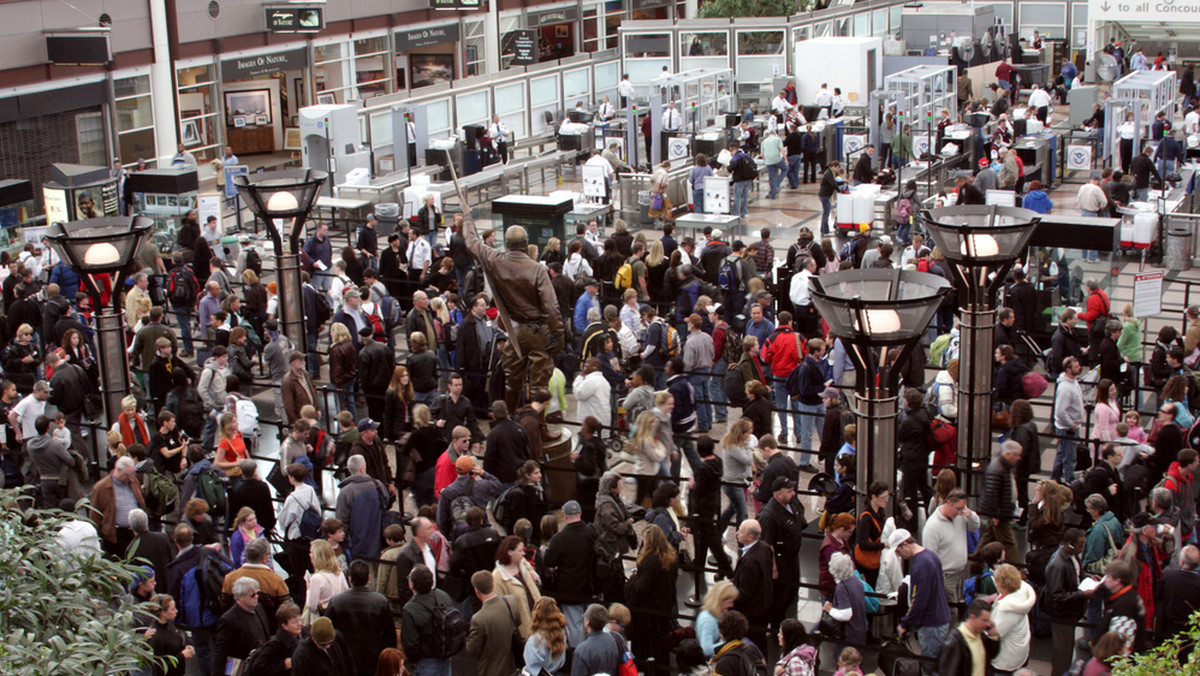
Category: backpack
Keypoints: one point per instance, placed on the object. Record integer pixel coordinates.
(160, 493)
(183, 287)
(247, 417)
(324, 308)
(923, 265)
(731, 351)
(872, 602)
(972, 584)
(624, 278)
(904, 210)
(671, 345)
(744, 168)
(310, 524)
(377, 326)
(735, 386)
(1033, 384)
(502, 508)
(753, 663)
(392, 313)
(459, 507)
(449, 635)
(210, 486)
(191, 413)
(200, 592)
(728, 278)
(254, 261)
(793, 381)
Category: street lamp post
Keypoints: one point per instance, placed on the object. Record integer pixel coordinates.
(283, 199)
(876, 312)
(980, 243)
(104, 246)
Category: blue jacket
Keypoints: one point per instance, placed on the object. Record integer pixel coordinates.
(1168, 149)
(1036, 200)
(760, 331)
(683, 416)
(68, 280)
(928, 589)
(320, 251)
(360, 505)
(586, 302)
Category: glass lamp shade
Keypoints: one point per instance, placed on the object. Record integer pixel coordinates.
(879, 306)
(980, 235)
(282, 197)
(100, 245)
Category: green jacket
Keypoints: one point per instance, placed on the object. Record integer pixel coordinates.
(902, 146)
(1098, 545)
(1130, 342)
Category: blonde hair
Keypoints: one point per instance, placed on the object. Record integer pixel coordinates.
(439, 309)
(421, 417)
(339, 334)
(249, 277)
(645, 427)
(716, 597)
(1007, 577)
(654, 541)
(227, 419)
(323, 558)
(733, 437)
(243, 514)
(656, 255)
(129, 402)
(24, 330)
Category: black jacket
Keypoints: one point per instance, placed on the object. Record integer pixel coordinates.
(375, 366)
(911, 435)
(998, 499)
(255, 494)
(1111, 361)
(955, 658)
(753, 579)
(507, 449)
(706, 493)
(270, 661)
(469, 354)
(1031, 448)
(777, 465)
(238, 633)
(417, 624)
(1022, 298)
(1127, 605)
(455, 413)
(309, 660)
(1179, 594)
(69, 388)
(1009, 387)
(829, 184)
(710, 260)
(571, 557)
(1097, 480)
(758, 412)
(1005, 335)
(473, 551)
(863, 171)
(1063, 600)
(782, 530)
(1064, 343)
(156, 549)
(367, 613)
(1142, 167)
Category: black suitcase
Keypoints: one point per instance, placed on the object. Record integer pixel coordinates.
(896, 659)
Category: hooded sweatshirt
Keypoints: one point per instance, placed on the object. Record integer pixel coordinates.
(1011, 615)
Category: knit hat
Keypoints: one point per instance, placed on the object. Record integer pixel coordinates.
(899, 537)
(322, 630)
(465, 464)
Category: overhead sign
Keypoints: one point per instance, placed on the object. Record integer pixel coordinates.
(410, 39)
(231, 171)
(1147, 293)
(244, 68)
(84, 48)
(454, 4)
(1146, 10)
(296, 19)
(524, 47)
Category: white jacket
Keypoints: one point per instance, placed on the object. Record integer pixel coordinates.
(947, 396)
(1011, 615)
(293, 508)
(890, 572)
(593, 397)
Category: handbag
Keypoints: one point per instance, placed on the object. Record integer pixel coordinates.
(1001, 420)
(866, 558)
(625, 665)
(278, 480)
(830, 629)
(516, 641)
(656, 201)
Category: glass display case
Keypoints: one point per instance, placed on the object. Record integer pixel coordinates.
(164, 196)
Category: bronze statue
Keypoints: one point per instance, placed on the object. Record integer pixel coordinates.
(528, 310)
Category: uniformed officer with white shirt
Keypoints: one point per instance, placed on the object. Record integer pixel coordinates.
(824, 99)
(626, 89)
(500, 136)
(671, 118)
(1127, 131)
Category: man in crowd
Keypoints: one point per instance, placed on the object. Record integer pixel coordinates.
(999, 498)
(367, 612)
(945, 535)
(754, 579)
(113, 497)
(298, 388)
(490, 640)
(972, 644)
(473, 484)
(928, 612)
(1178, 595)
(361, 502)
(783, 522)
(571, 558)
(242, 628)
(1064, 601)
(417, 630)
(1068, 416)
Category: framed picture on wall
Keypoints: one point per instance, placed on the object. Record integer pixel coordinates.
(251, 104)
(562, 32)
(326, 99)
(239, 121)
(262, 120)
(190, 133)
(291, 138)
(431, 69)
(298, 89)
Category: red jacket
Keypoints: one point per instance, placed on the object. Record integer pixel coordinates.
(781, 352)
(718, 334)
(444, 473)
(1098, 305)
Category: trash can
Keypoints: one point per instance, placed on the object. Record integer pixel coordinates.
(1178, 255)
(388, 214)
(644, 207)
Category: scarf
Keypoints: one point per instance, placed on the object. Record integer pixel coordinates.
(127, 433)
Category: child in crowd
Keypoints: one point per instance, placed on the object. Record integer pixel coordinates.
(335, 535)
(849, 663)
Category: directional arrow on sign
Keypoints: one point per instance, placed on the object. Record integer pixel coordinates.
(1105, 7)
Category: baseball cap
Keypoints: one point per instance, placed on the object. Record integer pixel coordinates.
(465, 464)
(366, 331)
(898, 537)
(367, 424)
(782, 482)
(713, 309)
(572, 508)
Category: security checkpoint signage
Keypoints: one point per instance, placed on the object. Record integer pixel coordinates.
(1079, 157)
(1147, 293)
(1144, 10)
(716, 195)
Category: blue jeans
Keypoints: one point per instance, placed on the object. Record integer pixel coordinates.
(716, 391)
(660, 378)
(322, 280)
(826, 209)
(741, 198)
(1064, 457)
(782, 403)
(931, 640)
(775, 174)
(807, 426)
(698, 200)
(209, 438)
(184, 317)
(345, 398)
(575, 630)
(793, 170)
(432, 666)
(425, 397)
(902, 231)
(314, 359)
(1141, 194)
(460, 274)
(703, 410)
(737, 504)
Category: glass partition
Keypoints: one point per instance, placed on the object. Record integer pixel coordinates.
(577, 84)
(862, 24)
(760, 55)
(543, 98)
(879, 23)
(437, 118)
(606, 77)
(135, 119)
(510, 106)
(646, 54)
(199, 112)
(473, 108)
(1048, 18)
(703, 50)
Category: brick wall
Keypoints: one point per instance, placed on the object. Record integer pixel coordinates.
(28, 147)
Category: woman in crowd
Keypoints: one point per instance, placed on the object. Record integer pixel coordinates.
(422, 367)
(849, 599)
(664, 512)
(546, 649)
(1130, 341)
(553, 253)
(354, 268)
(1036, 199)
(1108, 647)
(591, 462)
(758, 410)
(717, 602)
(166, 639)
(1176, 392)
(397, 406)
(78, 352)
(945, 482)
(593, 394)
(576, 264)
(24, 359)
(1024, 431)
(343, 366)
(1008, 375)
(245, 529)
(529, 501)
(240, 362)
(614, 530)
(837, 540)
(652, 600)
(254, 305)
(131, 425)
(515, 576)
(658, 267)
(622, 239)
(700, 171)
(422, 448)
(869, 534)
(798, 654)
(324, 582)
(1045, 526)
(649, 452)
(1010, 613)
(738, 462)
(1107, 413)
(231, 449)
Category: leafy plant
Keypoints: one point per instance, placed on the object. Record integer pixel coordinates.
(61, 614)
(1166, 657)
(718, 9)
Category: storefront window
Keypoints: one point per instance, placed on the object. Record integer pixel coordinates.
(199, 113)
(614, 14)
(330, 66)
(704, 44)
(135, 119)
(760, 43)
(475, 59)
(591, 29)
(371, 68)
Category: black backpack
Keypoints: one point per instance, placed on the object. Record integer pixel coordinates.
(449, 631)
(183, 287)
(735, 386)
(324, 308)
(744, 169)
(254, 261)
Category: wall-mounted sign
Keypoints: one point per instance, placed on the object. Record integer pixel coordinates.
(296, 19)
(454, 4)
(554, 16)
(79, 49)
(244, 68)
(524, 47)
(415, 38)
